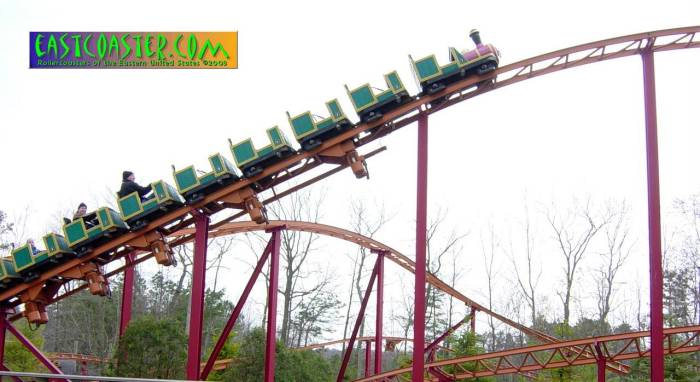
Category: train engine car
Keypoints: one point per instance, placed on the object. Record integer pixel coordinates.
(370, 106)
(252, 162)
(433, 78)
(93, 229)
(194, 187)
(311, 131)
(138, 213)
(8, 274)
(29, 262)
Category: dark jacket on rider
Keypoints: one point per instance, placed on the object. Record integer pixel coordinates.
(128, 187)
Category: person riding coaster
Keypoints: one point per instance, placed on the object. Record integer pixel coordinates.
(129, 185)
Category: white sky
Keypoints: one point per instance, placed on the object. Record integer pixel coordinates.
(66, 135)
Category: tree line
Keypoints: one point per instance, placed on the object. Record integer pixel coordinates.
(593, 243)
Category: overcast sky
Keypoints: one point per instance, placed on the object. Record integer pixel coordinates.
(66, 135)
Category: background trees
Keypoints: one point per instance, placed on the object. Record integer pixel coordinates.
(515, 267)
(290, 365)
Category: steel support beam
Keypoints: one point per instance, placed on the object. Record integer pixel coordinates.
(654, 215)
(433, 346)
(368, 356)
(472, 320)
(199, 267)
(378, 348)
(600, 362)
(33, 349)
(271, 339)
(236, 312)
(432, 350)
(127, 294)
(358, 322)
(421, 221)
(3, 330)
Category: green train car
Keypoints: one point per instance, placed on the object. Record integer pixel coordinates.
(138, 213)
(433, 78)
(28, 264)
(311, 131)
(252, 162)
(8, 274)
(194, 187)
(93, 229)
(370, 106)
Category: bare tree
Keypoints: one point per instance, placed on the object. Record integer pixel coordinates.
(641, 314)
(367, 223)
(6, 228)
(405, 317)
(257, 242)
(304, 205)
(20, 222)
(183, 253)
(573, 232)
(616, 253)
(528, 281)
(223, 246)
(350, 294)
(455, 274)
(437, 247)
(488, 250)
(690, 247)
(315, 314)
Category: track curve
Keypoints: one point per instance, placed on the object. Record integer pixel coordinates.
(617, 347)
(392, 255)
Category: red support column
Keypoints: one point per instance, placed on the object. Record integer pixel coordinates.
(194, 345)
(368, 356)
(433, 346)
(33, 349)
(421, 219)
(236, 312)
(3, 331)
(127, 294)
(358, 322)
(2, 336)
(378, 348)
(600, 361)
(654, 216)
(472, 320)
(271, 340)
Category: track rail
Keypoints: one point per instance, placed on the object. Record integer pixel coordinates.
(346, 235)
(394, 256)
(322, 345)
(657, 41)
(619, 347)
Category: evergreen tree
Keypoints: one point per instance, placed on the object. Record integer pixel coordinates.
(152, 348)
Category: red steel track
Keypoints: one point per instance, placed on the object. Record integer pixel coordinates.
(277, 175)
(619, 347)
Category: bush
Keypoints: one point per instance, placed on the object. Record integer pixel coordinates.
(290, 366)
(152, 348)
